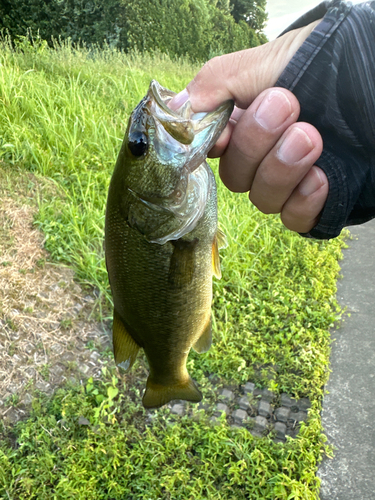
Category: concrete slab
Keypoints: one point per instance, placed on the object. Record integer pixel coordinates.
(349, 408)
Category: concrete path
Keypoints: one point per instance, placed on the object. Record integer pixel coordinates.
(349, 408)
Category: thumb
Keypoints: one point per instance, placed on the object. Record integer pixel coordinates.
(242, 75)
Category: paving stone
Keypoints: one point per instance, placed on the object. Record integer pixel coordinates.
(94, 356)
(12, 416)
(12, 388)
(30, 372)
(227, 395)
(277, 440)
(80, 345)
(27, 399)
(215, 421)
(244, 403)
(57, 348)
(235, 426)
(77, 307)
(83, 421)
(291, 432)
(258, 392)
(260, 425)
(239, 416)
(83, 368)
(203, 406)
(280, 429)
(29, 349)
(303, 404)
(267, 395)
(248, 388)
(43, 386)
(282, 414)
(214, 378)
(286, 400)
(178, 409)
(68, 357)
(57, 371)
(264, 408)
(222, 407)
(301, 416)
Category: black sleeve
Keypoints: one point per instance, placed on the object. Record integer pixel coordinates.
(333, 77)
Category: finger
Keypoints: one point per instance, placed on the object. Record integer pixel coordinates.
(223, 141)
(302, 210)
(285, 167)
(256, 133)
(242, 75)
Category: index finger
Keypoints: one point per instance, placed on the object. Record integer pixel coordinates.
(242, 75)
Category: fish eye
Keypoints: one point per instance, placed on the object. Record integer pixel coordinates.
(137, 143)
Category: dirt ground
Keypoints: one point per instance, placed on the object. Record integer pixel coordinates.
(46, 334)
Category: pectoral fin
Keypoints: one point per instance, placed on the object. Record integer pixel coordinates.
(220, 241)
(216, 259)
(158, 395)
(125, 348)
(204, 342)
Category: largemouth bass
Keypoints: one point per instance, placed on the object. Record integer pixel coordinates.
(161, 241)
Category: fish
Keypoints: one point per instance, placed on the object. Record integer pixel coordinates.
(162, 241)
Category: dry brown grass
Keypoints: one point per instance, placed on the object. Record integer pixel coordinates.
(44, 315)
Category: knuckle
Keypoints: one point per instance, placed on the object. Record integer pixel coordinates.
(212, 67)
(263, 205)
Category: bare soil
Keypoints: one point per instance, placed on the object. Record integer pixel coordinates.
(47, 335)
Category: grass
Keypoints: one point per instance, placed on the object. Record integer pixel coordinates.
(63, 114)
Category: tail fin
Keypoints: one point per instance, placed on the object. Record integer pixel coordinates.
(157, 395)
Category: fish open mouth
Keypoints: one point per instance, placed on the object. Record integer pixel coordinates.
(183, 139)
(197, 131)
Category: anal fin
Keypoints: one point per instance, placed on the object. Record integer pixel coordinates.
(125, 348)
(204, 342)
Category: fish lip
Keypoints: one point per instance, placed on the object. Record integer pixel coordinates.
(187, 123)
(156, 92)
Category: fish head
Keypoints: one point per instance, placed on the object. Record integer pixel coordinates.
(162, 152)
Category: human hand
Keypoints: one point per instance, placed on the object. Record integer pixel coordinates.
(263, 150)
